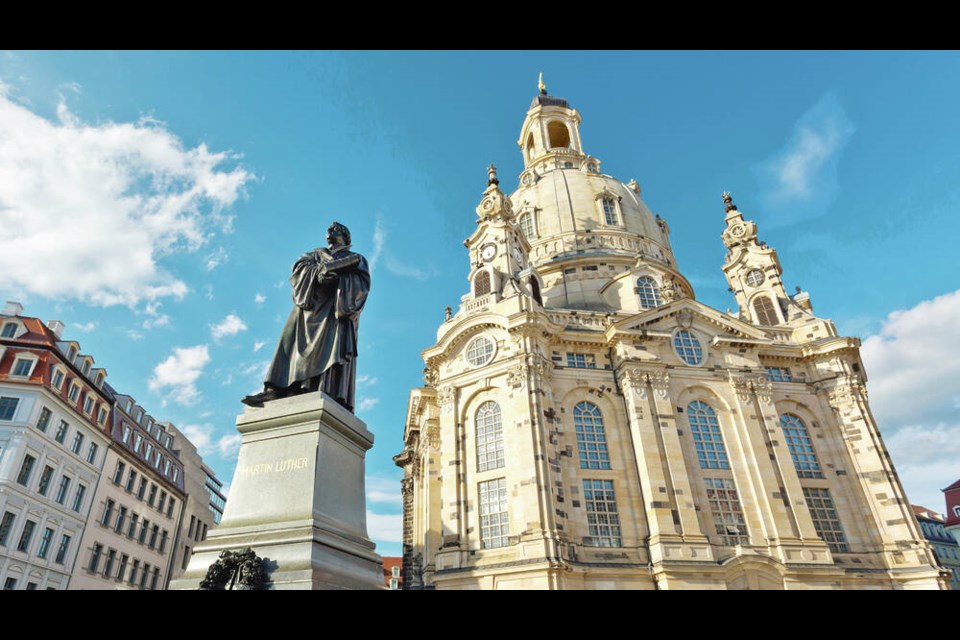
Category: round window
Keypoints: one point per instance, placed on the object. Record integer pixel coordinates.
(688, 347)
(480, 351)
(755, 277)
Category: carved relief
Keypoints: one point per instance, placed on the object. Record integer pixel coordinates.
(430, 376)
(638, 381)
(445, 397)
(745, 386)
(433, 436)
(517, 376)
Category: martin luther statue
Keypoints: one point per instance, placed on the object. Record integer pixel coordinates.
(318, 346)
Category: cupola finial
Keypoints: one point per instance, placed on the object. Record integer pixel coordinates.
(492, 175)
(543, 87)
(728, 201)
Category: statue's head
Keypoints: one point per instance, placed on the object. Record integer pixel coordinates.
(338, 230)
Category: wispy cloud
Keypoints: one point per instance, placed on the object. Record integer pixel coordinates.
(215, 259)
(913, 364)
(367, 403)
(133, 334)
(229, 326)
(178, 374)
(366, 380)
(259, 299)
(393, 264)
(128, 193)
(801, 179)
(385, 528)
(382, 489)
(85, 327)
(204, 438)
(257, 345)
(156, 318)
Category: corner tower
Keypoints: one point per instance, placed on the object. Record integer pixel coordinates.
(585, 422)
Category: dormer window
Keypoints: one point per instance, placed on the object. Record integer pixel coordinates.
(71, 353)
(57, 377)
(74, 392)
(609, 211)
(100, 377)
(86, 368)
(23, 367)
(608, 204)
(649, 293)
(88, 404)
(9, 330)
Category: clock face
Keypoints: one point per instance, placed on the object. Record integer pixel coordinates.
(738, 230)
(488, 251)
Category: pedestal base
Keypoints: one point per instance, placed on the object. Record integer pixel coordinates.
(297, 499)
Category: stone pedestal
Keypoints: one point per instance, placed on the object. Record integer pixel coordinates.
(297, 498)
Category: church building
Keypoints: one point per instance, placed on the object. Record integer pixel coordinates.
(586, 423)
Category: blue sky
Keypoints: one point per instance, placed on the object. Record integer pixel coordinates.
(156, 201)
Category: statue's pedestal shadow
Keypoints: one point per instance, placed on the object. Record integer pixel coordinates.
(297, 498)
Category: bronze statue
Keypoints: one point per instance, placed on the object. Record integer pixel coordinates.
(318, 346)
(235, 570)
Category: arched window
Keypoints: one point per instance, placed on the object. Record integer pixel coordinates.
(649, 292)
(530, 150)
(527, 226)
(800, 446)
(763, 309)
(559, 135)
(688, 347)
(535, 290)
(481, 284)
(707, 438)
(591, 438)
(489, 437)
(480, 351)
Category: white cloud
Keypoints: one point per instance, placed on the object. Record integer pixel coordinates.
(818, 136)
(366, 380)
(367, 403)
(385, 528)
(257, 345)
(259, 299)
(127, 193)
(208, 291)
(85, 327)
(216, 259)
(391, 262)
(179, 373)
(155, 319)
(205, 439)
(133, 334)
(913, 364)
(229, 326)
(383, 490)
(258, 369)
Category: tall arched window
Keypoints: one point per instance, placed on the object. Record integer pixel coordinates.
(591, 437)
(559, 135)
(527, 226)
(481, 284)
(489, 437)
(707, 438)
(530, 147)
(763, 309)
(649, 292)
(800, 446)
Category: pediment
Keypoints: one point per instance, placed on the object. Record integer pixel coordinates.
(686, 313)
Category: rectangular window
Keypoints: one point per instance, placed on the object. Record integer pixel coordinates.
(779, 374)
(88, 405)
(122, 570)
(163, 541)
(26, 467)
(8, 407)
(57, 378)
(92, 453)
(143, 488)
(166, 467)
(45, 541)
(156, 578)
(137, 441)
(193, 524)
(825, 519)
(204, 536)
(153, 494)
(26, 535)
(45, 478)
(145, 525)
(77, 442)
(121, 520)
(107, 513)
(5, 525)
(102, 415)
(610, 211)
(22, 367)
(111, 558)
(118, 474)
(132, 531)
(154, 532)
(74, 392)
(395, 572)
(126, 434)
(62, 551)
(494, 520)
(62, 489)
(44, 420)
(144, 575)
(131, 480)
(61, 434)
(603, 520)
(10, 583)
(133, 572)
(9, 330)
(95, 558)
(31, 586)
(176, 474)
(148, 452)
(394, 584)
(727, 516)
(186, 558)
(581, 360)
(170, 507)
(163, 501)
(78, 498)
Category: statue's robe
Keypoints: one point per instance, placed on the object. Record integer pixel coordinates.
(319, 339)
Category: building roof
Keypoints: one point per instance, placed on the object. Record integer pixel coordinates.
(955, 485)
(929, 514)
